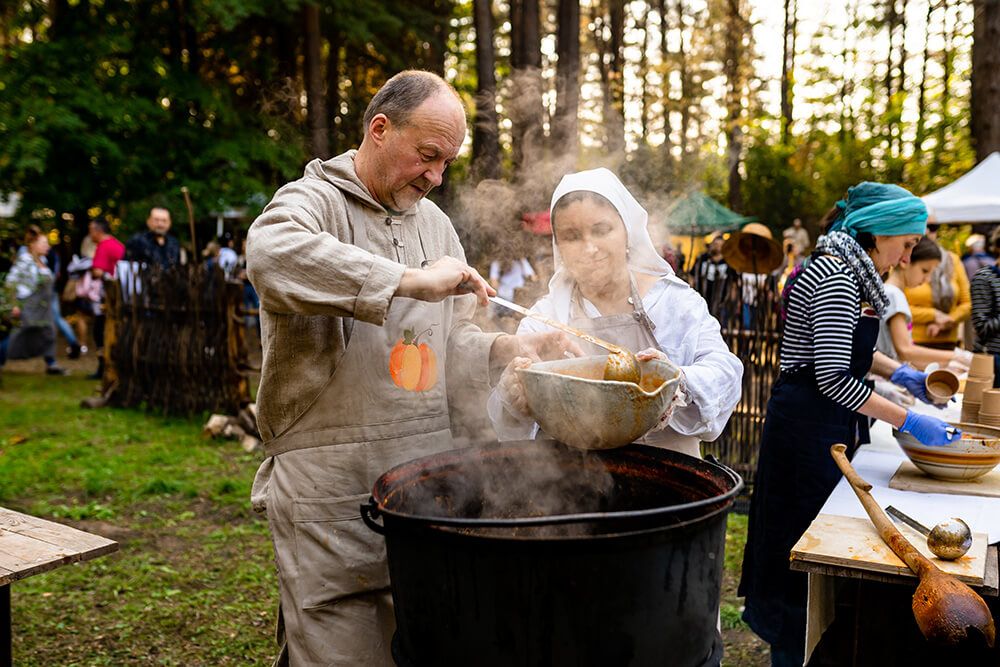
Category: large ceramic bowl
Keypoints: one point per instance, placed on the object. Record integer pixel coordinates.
(573, 404)
(976, 454)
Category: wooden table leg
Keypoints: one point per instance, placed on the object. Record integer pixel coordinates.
(6, 653)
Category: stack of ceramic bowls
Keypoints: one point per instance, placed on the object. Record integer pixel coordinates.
(980, 379)
(989, 412)
(973, 398)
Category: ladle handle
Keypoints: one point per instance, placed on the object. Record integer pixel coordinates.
(915, 560)
(554, 324)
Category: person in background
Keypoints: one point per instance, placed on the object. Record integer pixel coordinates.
(709, 274)
(793, 258)
(507, 276)
(798, 234)
(55, 265)
(894, 339)
(976, 256)
(155, 246)
(108, 251)
(33, 283)
(673, 256)
(834, 306)
(986, 307)
(228, 259)
(942, 304)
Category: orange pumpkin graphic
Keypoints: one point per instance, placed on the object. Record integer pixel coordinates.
(413, 365)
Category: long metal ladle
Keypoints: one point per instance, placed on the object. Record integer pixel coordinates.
(947, 540)
(945, 609)
(622, 365)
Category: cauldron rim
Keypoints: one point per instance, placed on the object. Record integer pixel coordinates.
(375, 505)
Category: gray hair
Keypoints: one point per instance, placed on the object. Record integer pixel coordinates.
(403, 93)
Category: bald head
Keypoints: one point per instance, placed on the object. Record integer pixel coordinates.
(404, 93)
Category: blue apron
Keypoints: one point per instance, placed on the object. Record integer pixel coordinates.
(795, 476)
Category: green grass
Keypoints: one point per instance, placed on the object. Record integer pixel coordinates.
(194, 580)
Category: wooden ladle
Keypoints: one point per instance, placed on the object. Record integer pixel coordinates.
(945, 609)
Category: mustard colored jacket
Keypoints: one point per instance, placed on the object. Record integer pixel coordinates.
(921, 304)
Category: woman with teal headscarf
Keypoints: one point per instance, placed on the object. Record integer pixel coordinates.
(833, 305)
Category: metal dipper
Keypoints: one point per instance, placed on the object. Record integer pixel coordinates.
(948, 540)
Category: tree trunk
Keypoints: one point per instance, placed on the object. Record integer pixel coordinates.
(316, 116)
(918, 140)
(947, 65)
(616, 121)
(986, 77)
(565, 135)
(661, 8)
(682, 62)
(526, 110)
(333, 88)
(788, 68)
(732, 67)
(643, 75)
(485, 132)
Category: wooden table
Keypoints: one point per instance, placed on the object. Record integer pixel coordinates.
(30, 546)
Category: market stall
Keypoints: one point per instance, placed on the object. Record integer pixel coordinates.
(972, 198)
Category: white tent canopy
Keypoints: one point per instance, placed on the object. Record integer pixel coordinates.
(975, 197)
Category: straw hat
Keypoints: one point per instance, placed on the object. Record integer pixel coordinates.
(752, 250)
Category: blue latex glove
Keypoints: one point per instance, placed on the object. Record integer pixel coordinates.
(931, 431)
(912, 380)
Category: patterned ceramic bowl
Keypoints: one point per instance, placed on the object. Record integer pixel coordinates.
(974, 455)
(574, 404)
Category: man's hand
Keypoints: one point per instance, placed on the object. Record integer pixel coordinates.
(445, 277)
(540, 346)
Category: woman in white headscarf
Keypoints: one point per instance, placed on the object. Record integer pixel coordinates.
(610, 281)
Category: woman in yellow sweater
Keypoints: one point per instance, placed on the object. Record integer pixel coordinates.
(941, 304)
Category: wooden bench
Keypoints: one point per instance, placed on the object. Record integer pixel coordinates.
(30, 546)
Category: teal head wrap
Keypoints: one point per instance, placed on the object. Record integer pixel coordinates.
(880, 209)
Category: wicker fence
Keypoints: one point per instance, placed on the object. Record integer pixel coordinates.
(175, 341)
(750, 315)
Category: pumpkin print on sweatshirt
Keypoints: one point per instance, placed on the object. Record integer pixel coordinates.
(413, 365)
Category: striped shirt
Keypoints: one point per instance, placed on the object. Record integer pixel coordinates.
(822, 312)
(986, 309)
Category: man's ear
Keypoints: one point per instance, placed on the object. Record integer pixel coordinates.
(378, 128)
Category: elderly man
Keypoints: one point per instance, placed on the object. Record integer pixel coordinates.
(365, 316)
(155, 246)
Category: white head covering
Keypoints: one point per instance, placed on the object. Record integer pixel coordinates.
(642, 255)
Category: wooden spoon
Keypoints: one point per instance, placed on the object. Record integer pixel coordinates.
(945, 609)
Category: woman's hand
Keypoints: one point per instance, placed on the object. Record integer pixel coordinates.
(961, 360)
(913, 381)
(930, 431)
(652, 353)
(512, 390)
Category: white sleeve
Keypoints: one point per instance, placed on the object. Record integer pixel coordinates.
(713, 381)
(494, 270)
(526, 268)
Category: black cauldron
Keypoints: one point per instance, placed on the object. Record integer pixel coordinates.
(533, 553)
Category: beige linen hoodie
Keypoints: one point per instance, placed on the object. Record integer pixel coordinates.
(313, 282)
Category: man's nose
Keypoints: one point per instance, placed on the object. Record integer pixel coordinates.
(435, 174)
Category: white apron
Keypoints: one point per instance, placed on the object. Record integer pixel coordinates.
(633, 331)
(334, 583)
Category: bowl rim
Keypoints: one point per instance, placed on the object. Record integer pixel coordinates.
(536, 369)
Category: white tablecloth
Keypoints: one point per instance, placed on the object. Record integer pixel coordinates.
(878, 461)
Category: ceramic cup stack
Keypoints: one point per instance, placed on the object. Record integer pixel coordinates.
(980, 380)
(989, 412)
(973, 398)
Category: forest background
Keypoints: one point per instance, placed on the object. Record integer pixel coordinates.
(110, 106)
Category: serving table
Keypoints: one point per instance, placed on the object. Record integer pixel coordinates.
(859, 592)
(30, 546)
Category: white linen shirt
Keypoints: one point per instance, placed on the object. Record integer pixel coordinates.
(689, 336)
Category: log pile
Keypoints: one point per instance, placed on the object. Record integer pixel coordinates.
(242, 427)
(174, 342)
